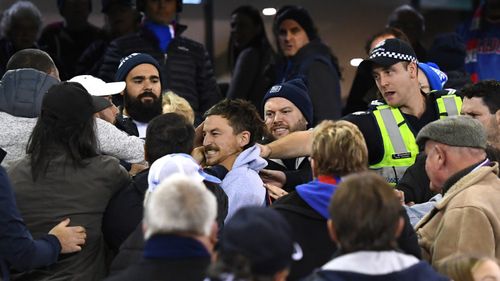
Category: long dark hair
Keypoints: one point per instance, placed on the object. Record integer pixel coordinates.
(53, 137)
(260, 41)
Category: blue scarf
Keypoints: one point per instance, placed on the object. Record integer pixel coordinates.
(162, 33)
(173, 246)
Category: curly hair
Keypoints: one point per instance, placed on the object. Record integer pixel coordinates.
(20, 9)
(487, 90)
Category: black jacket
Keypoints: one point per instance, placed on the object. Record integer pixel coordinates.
(311, 233)
(167, 257)
(185, 67)
(125, 212)
(294, 176)
(316, 64)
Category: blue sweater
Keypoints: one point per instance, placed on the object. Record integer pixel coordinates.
(17, 248)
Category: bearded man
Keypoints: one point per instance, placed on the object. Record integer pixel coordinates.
(142, 96)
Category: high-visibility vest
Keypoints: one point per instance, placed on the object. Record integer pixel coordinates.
(400, 147)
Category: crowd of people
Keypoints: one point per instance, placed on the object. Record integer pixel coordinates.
(121, 159)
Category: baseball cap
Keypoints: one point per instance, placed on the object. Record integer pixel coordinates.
(97, 87)
(263, 236)
(177, 163)
(67, 104)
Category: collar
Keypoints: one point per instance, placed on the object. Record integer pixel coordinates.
(460, 174)
(371, 262)
(329, 180)
(164, 246)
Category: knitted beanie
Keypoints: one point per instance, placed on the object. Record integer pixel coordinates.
(434, 75)
(301, 16)
(296, 92)
(129, 62)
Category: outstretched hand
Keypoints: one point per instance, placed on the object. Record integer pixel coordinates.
(276, 178)
(70, 237)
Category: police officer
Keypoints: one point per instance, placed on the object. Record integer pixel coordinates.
(391, 123)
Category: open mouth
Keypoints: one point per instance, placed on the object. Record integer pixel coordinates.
(280, 130)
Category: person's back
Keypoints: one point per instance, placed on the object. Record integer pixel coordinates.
(62, 176)
(368, 250)
(305, 55)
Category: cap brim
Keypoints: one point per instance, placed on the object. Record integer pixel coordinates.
(109, 89)
(100, 103)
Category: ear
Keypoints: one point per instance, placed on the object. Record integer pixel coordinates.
(399, 227)
(497, 116)
(413, 69)
(441, 156)
(243, 138)
(332, 232)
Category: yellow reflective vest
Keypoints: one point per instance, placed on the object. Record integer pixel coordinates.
(400, 147)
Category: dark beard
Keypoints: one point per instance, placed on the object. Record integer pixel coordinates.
(142, 112)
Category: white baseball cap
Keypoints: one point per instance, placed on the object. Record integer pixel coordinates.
(174, 163)
(97, 87)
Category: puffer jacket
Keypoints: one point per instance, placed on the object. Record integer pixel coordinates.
(185, 67)
(22, 91)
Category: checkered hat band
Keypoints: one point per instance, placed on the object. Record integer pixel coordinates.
(394, 55)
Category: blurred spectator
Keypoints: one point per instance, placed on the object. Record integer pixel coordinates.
(481, 36)
(19, 29)
(304, 55)
(469, 268)
(448, 52)
(430, 77)
(66, 40)
(187, 71)
(63, 176)
(120, 19)
(177, 104)
(412, 23)
(249, 54)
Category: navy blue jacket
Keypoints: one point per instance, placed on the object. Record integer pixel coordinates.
(17, 248)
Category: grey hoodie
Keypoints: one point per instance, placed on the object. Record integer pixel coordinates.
(242, 184)
(22, 91)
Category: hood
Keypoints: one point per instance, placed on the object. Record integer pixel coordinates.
(317, 195)
(250, 157)
(22, 91)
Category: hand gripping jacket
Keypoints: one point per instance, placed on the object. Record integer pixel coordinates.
(400, 147)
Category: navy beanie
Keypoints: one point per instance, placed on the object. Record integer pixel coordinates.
(434, 75)
(296, 91)
(133, 60)
(301, 16)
